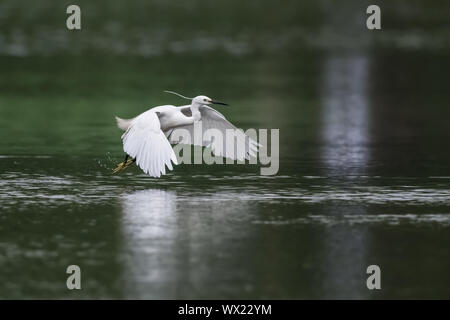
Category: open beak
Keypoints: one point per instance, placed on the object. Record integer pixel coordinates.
(218, 102)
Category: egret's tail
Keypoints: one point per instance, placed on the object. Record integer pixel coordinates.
(123, 165)
(123, 123)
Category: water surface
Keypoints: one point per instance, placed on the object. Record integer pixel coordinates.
(364, 156)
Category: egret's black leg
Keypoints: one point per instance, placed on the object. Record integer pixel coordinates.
(126, 158)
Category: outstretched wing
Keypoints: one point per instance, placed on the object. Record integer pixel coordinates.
(241, 148)
(145, 142)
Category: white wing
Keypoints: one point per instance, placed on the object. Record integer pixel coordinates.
(145, 142)
(243, 147)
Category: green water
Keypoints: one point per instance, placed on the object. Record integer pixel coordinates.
(364, 157)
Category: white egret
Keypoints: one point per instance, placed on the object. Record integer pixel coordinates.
(147, 138)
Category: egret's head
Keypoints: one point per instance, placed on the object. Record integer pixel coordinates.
(199, 100)
(204, 100)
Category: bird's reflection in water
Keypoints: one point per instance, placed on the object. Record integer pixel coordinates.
(182, 245)
(149, 226)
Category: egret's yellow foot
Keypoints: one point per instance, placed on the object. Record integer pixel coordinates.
(122, 166)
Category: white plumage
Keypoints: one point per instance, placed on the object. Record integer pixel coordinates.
(212, 119)
(146, 137)
(145, 142)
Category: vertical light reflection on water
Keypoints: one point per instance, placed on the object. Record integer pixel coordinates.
(345, 154)
(345, 115)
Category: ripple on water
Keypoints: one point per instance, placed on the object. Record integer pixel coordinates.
(356, 219)
(20, 190)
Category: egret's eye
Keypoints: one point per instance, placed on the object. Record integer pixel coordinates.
(205, 100)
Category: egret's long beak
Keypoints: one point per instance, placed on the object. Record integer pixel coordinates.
(218, 102)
